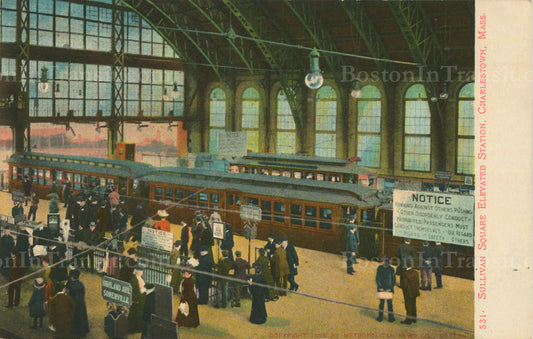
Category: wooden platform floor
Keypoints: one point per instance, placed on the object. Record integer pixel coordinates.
(299, 315)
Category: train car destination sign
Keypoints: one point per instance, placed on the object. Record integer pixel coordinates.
(116, 291)
(448, 218)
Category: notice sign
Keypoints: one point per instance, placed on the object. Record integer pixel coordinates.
(116, 291)
(157, 239)
(447, 218)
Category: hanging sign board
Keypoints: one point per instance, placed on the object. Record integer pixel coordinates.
(250, 212)
(431, 216)
(116, 291)
(17, 196)
(157, 239)
(231, 144)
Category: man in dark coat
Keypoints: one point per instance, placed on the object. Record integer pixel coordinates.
(438, 260)
(239, 270)
(149, 308)
(61, 311)
(186, 238)
(138, 218)
(258, 314)
(292, 260)
(66, 194)
(227, 242)
(17, 209)
(405, 255)
(16, 271)
(351, 248)
(385, 281)
(207, 240)
(102, 218)
(263, 265)
(223, 268)
(76, 290)
(26, 187)
(91, 237)
(270, 246)
(425, 256)
(409, 284)
(204, 280)
(23, 245)
(6, 246)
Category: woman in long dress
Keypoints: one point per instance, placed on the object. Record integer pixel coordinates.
(188, 315)
(258, 315)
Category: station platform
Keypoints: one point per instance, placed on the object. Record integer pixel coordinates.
(328, 304)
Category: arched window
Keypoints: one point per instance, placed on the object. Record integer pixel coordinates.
(465, 130)
(250, 118)
(417, 130)
(326, 122)
(369, 126)
(217, 117)
(286, 128)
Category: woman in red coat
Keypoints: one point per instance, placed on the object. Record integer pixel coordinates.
(188, 315)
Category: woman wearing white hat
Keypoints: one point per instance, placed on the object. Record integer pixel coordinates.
(163, 224)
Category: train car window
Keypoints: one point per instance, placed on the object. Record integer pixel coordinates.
(84, 181)
(214, 198)
(298, 175)
(230, 199)
(93, 181)
(266, 209)
(26, 171)
(59, 176)
(286, 174)
(40, 176)
(178, 194)
(169, 194)
(47, 177)
(265, 171)
(325, 213)
(320, 176)
(296, 213)
(77, 183)
(202, 196)
(276, 173)
(33, 174)
(309, 175)
(310, 212)
(158, 196)
(238, 200)
(14, 173)
(279, 212)
(253, 201)
(368, 214)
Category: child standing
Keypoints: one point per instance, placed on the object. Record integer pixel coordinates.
(37, 300)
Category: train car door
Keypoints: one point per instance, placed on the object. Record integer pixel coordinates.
(234, 200)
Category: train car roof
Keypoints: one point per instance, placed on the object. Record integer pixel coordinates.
(290, 188)
(102, 166)
(301, 162)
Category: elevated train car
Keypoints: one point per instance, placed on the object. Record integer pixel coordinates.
(304, 167)
(312, 214)
(84, 173)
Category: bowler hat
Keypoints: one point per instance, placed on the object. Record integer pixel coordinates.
(284, 238)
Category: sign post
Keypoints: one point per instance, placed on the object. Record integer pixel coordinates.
(251, 215)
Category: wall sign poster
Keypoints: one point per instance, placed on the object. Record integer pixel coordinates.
(448, 218)
(157, 239)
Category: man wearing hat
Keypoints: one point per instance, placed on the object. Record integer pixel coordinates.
(270, 246)
(405, 255)
(91, 237)
(224, 266)
(425, 256)
(438, 257)
(292, 260)
(351, 248)
(76, 290)
(385, 281)
(240, 266)
(6, 246)
(281, 268)
(149, 308)
(409, 285)
(138, 297)
(163, 224)
(204, 280)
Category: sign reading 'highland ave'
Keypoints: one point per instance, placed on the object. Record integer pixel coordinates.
(116, 291)
(447, 218)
